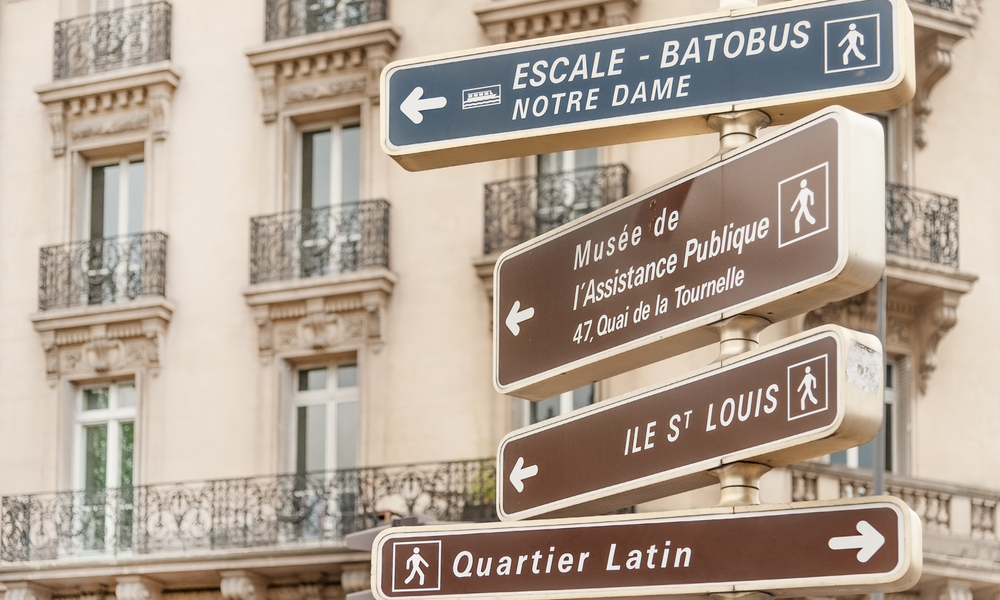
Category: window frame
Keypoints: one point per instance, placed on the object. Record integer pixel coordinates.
(112, 417)
(331, 397)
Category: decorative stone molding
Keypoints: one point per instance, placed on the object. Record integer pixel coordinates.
(103, 339)
(138, 588)
(356, 578)
(322, 313)
(242, 585)
(333, 64)
(513, 20)
(108, 104)
(921, 307)
(953, 590)
(937, 32)
(21, 590)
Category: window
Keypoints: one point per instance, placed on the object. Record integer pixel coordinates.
(330, 177)
(326, 418)
(560, 405)
(105, 463)
(863, 457)
(566, 187)
(114, 218)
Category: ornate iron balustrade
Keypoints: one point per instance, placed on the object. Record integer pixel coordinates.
(921, 225)
(313, 242)
(519, 209)
(113, 39)
(101, 271)
(292, 18)
(283, 510)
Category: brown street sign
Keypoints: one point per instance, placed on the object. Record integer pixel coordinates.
(646, 81)
(777, 228)
(812, 394)
(824, 548)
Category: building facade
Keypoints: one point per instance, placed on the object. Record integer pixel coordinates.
(232, 330)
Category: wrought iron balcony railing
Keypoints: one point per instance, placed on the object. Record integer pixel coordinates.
(102, 271)
(292, 18)
(284, 510)
(113, 39)
(921, 225)
(308, 243)
(948, 5)
(519, 209)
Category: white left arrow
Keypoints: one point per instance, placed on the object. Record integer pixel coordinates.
(520, 472)
(518, 316)
(867, 543)
(415, 103)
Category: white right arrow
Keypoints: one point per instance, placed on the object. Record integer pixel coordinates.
(867, 543)
(518, 316)
(414, 103)
(520, 473)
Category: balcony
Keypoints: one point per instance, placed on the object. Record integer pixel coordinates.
(102, 271)
(961, 532)
(114, 39)
(284, 511)
(522, 208)
(921, 225)
(316, 242)
(292, 18)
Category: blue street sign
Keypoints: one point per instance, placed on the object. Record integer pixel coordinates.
(647, 81)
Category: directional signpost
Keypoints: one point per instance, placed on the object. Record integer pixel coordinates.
(647, 81)
(776, 229)
(771, 230)
(825, 548)
(816, 393)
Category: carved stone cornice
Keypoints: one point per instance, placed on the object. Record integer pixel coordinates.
(103, 339)
(109, 104)
(321, 313)
(320, 66)
(513, 20)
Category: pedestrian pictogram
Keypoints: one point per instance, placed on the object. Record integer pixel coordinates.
(853, 44)
(807, 387)
(853, 39)
(416, 566)
(803, 207)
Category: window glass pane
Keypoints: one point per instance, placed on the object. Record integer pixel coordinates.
(126, 395)
(310, 443)
(347, 435)
(890, 382)
(350, 182)
(546, 409)
(95, 466)
(839, 458)
(127, 437)
(889, 430)
(866, 455)
(136, 190)
(112, 196)
(347, 376)
(583, 397)
(550, 163)
(316, 169)
(312, 379)
(95, 399)
(585, 159)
